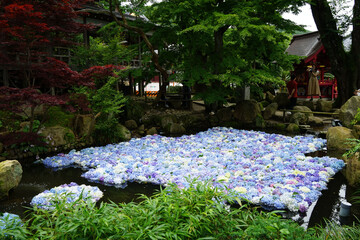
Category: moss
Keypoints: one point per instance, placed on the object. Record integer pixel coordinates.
(55, 116)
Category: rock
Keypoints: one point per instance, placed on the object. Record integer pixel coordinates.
(337, 138)
(293, 128)
(213, 120)
(299, 118)
(315, 121)
(310, 105)
(269, 97)
(352, 170)
(349, 110)
(58, 135)
(259, 121)
(10, 176)
(282, 100)
(167, 120)
(125, 134)
(176, 128)
(151, 131)
(84, 124)
(196, 121)
(355, 131)
(270, 110)
(131, 124)
(324, 106)
(141, 128)
(224, 114)
(246, 111)
(304, 109)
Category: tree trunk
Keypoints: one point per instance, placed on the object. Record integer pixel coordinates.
(154, 56)
(344, 65)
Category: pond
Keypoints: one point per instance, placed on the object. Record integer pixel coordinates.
(37, 178)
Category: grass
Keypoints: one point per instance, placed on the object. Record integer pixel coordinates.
(198, 212)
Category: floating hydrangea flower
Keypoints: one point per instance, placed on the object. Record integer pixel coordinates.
(69, 192)
(267, 169)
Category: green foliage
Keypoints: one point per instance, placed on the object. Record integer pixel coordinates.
(234, 43)
(356, 147)
(107, 48)
(11, 227)
(57, 116)
(196, 212)
(334, 231)
(106, 100)
(356, 117)
(107, 131)
(106, 103)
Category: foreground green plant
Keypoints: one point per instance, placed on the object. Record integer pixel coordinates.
(197, 212)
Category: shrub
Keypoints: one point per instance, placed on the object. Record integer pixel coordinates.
(196, 212)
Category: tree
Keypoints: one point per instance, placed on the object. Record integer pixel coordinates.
(224, 43)
(345, 64)
(29, 30)
(137, 8)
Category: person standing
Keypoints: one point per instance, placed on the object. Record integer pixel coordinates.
(313, 87)
(292, 91)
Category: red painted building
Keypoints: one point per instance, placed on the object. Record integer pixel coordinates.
(309, 47)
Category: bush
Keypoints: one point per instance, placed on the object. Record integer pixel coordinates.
(196, 212)
(56, 116)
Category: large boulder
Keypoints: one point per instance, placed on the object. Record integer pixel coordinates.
(131, 124)
(310, 104)
(282, 100)
(337, 138)
(352, 170)
(167, 120)
(349, 110)
(299, 118)
(58, 135)
(270, 110)
(10, 176)
(224, 114)
(293, 128)
(176, 128)
(324, 106)
(247, 111)
(315, 121)
(84, 124)
(195, 122)
(304, 109)
(151, 131)
(125, 134)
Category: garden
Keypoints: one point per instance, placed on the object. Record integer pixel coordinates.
(97, 157)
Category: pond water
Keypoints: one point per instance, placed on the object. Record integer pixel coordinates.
(37, 178)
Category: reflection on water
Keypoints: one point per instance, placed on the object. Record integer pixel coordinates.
(36, 179)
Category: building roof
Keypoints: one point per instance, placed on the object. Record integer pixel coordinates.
(304, 45)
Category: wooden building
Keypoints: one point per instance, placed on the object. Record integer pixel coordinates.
(309, 47)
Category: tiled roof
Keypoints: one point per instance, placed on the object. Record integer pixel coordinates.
(305, 44)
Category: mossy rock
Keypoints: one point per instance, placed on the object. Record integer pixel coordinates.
(58, 135)
(293, 128)
(280, 126)
(124, 133)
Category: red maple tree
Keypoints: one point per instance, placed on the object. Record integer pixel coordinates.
(29, 31)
